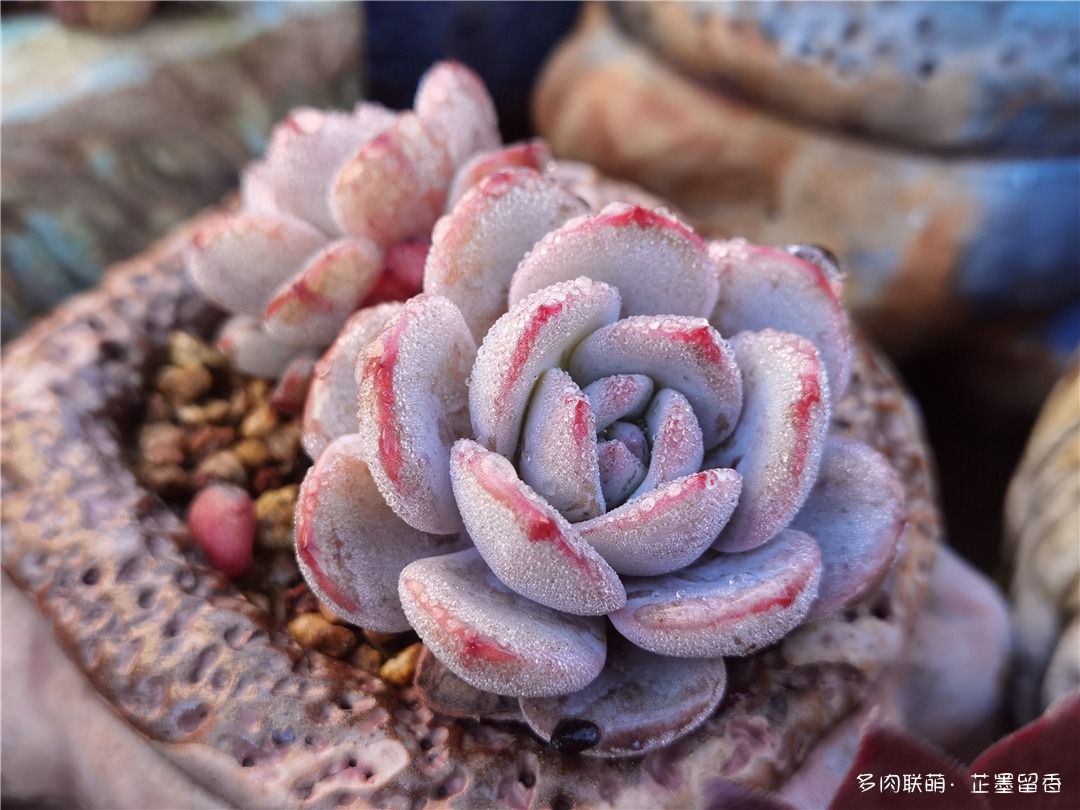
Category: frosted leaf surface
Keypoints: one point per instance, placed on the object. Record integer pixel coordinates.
(351, 547)
(678, 352)
(477, 247)
(667, 528)
(619, 396)
(640, 702)
(535, 335)
(238, 261)
(534, 154)
(330, 408)
(413, 406)
(620, 469)
(659, 265)
(257, 193)
(244, 341)
(529, 545)
(395, 186)
(494, 638)
(454, 98)
(778, 444)
(762, 287)
(724, 604)
(856, 514)
(311, 308)
(632, 437)
(677, 448)
(558, 456)
(306, 150)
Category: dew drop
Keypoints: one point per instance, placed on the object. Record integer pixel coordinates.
(680, 594)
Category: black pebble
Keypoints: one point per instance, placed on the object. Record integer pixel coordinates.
(572, 735)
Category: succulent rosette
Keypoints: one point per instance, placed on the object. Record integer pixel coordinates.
(593, 459)
(337, 215)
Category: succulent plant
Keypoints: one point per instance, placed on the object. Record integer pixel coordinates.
(338, 214)
(558, 431)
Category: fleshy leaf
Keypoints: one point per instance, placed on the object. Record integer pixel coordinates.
(306, 151)
(620, 469)
(532, 337)
(413, 405)
(395, 187)
(290, 392)
(534, 154)
(781, 434)
(667, 528)
(660, 266)
(493, 638)
(762, 287)
(855, 512)
(677, 352)
(311, 308)
(640, 702)
(477, 247)
(250, 350)
(446, 693)
(558, 455)
(725, 604)
(455, 99)
(239, 259)
(351, 547)
(618, 397)
(330, 410)
(529, 545)
(677, 448)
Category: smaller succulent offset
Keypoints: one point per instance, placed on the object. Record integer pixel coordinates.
(593, 459)
(337, 215)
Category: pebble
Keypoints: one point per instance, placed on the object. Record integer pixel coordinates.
(221, 518)
(182, 385)
(275, 509)
(312, 630)
(399, 669)
(221, 466)
(259, 423)
(367, 658)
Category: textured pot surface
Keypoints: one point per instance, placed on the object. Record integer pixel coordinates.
(254, 719)
(932, 241)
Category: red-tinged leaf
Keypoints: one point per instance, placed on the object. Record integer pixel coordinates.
(454, 99)
(660, 266)
(1047, 746)
(886, 753)
(534, 154)
(290, 393)
(221, 518)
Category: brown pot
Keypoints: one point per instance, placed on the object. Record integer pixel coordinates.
(217, 705)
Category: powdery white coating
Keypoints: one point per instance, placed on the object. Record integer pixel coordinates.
(677, 445)
(395, 186)
(529, 546)
(453, 98)
(779, 441)
(660, 266)
(725, 604)
(310, 308)
(620, 470)
(239, 260)
(350, 546)
(493, 638)
(477, 247)
(764, 287)
(640, 702)
(306, 150)
(330, 408)
(679, 352)
(619, 396)
(558, 448)
(413, 400)
(536, 334)
(534, 154)
(252, 351)
(856, 514)
(667, 528)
